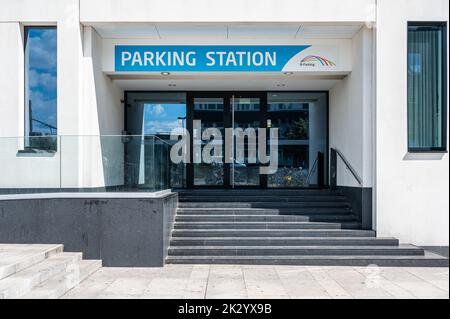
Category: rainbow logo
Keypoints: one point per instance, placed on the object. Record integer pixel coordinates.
(311, 60)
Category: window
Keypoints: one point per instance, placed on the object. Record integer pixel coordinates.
(40, 88)
(427, 88)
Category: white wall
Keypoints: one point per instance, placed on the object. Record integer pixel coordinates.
(39, 171)
(412, 189)
(350, 113)
(230, 11)
(11, 86)
(104, 115)
(88, 103)
(317, 134)
(65, 15)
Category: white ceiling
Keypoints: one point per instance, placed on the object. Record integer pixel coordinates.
(225, 31)
(231, 83)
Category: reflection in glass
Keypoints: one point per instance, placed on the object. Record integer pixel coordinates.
(426, 86)
(301, 121)
(246, 115)
(210, 112)
(153, 116)
(40, 87)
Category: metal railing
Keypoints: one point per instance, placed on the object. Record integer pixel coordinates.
(319, 167)
(333, 168)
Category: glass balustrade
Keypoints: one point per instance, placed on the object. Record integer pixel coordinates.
(43, 164)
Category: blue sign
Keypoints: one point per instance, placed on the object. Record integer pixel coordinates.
(221, 58)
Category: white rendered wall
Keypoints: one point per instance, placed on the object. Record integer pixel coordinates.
(15, 170)
(227, 11)
(317, 133)
(11, 80)
(65, 15)
(38, 171)
(412, 189)
(104, 116)
(350, 113)
(87, 103)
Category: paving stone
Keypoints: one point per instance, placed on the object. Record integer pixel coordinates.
(128, 286)
(226, 282)
(335, 290)
(241, 281)
(198, 282)
(166, 286)
(261, 282)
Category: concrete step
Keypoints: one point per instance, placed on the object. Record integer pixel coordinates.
(283, 241)
(24, 281)
(59, 285)
(428, 260)
(268, 205)
(262, 211)
(298, 227)
(266, 218)
(16, 257)
(258, 192)
(403, 250)
(272, 233)
(264, 198)
(255, 225)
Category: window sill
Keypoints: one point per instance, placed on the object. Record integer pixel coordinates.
(413, 151)
(425, 156)
(35, 153)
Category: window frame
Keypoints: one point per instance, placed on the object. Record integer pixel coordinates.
(443, 147)
(26, 29)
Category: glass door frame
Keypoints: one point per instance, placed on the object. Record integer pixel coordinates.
(228, 123)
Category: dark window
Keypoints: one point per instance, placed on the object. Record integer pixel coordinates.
(427, 88)
(40, 88)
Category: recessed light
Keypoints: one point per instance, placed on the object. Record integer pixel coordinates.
(165, 73)
(288, 73)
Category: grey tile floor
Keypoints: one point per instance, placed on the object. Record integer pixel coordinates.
(236, 281)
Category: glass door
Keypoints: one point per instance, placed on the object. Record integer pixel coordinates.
(213, 112)
(247, 117)
(208, 168)
(300, 117)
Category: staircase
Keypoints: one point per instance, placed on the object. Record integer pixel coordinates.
(41, 271)
(281, 227)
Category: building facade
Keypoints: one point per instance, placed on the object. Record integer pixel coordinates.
(91, 89)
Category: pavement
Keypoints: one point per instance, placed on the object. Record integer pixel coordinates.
(266, 282)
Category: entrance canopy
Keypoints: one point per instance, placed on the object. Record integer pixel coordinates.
(218, 56)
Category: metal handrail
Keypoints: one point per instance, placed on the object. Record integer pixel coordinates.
(349, 166)
(313, 168)
(158, 138)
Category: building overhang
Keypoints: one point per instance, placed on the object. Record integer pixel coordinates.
(239, 11)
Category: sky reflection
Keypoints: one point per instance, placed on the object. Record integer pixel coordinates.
(41, 73)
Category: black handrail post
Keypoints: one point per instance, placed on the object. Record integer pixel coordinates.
(320, 168)
(333, 169)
